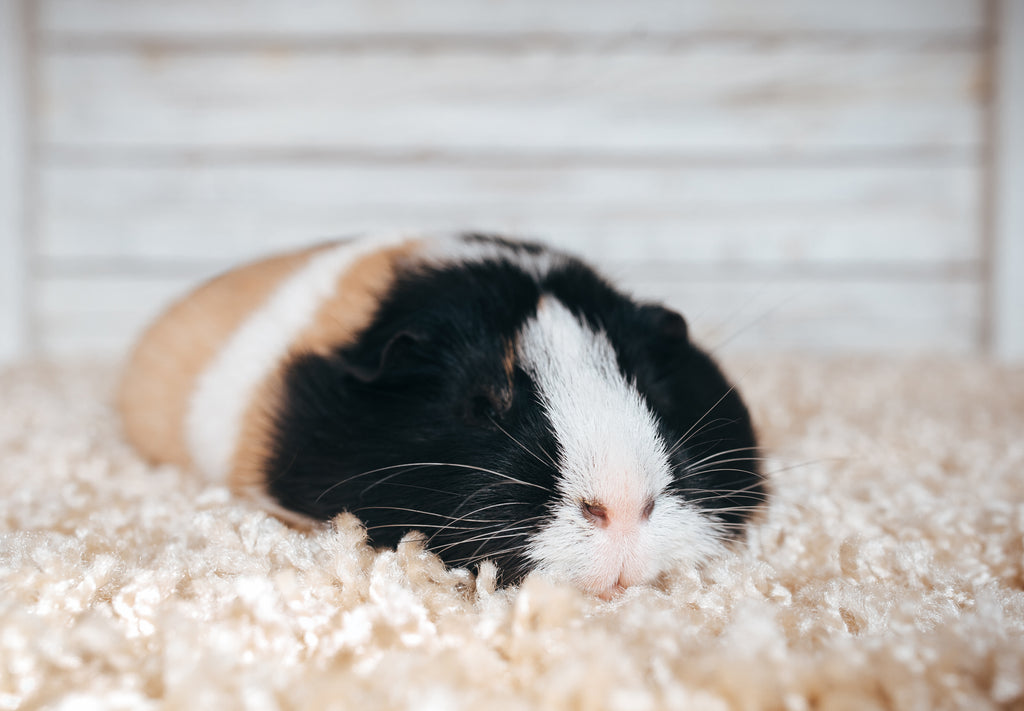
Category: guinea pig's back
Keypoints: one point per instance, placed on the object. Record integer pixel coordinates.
(202, 386)
(160, 376)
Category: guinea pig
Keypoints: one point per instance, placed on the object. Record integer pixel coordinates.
(499, 396)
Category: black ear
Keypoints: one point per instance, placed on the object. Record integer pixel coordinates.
(368, 362)
(665, 334)
(665, 325)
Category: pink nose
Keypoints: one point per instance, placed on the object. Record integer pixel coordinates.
(601, 515)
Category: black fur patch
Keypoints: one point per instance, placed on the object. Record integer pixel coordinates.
(423, 428)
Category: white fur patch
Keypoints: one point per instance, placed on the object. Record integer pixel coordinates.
(611, 453)
(227, 386)
(455, 249)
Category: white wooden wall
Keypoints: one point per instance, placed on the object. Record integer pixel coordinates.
(13, 160)
(794, 173)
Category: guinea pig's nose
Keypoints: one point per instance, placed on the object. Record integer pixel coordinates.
(600, 515)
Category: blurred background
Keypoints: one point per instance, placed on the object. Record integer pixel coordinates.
(793, 174)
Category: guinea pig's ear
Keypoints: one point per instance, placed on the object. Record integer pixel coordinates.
(666, 331)
(370, 365)
(665, 324)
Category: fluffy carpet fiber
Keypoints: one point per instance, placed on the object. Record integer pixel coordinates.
(887, 574)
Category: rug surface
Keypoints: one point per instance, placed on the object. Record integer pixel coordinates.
(888, 573)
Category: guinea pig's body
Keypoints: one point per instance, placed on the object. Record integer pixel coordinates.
(498, 396)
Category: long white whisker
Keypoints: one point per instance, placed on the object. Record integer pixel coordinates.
(422, 513)
(514, 527)
(415, 526)
(410, 465)
(722, 494)
(735, 509)
(711, 457)
(526, 449)
(706, 427)
(709, 411)
(387, 479)
(490, 554)
(484, 508)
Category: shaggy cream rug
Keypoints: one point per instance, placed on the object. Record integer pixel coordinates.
(887, 574)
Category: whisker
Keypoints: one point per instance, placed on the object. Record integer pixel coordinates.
(716, 462)
(491, 534)
(346, 480)
(414, 526)
(485, 508)
(729, 492)
(724, 453)
(550, 462)
(518, 533)
(764, 315)
(760, 479)
(491, 555)
(706, 427)
(389, 477)
(409, 465)
(420, 488)
(709, 411)
(766, 476)
(440, 515)
(719, 493)
(713, 467)
(737, 509)
(422, 513)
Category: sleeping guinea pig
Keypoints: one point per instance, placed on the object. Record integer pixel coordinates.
(499, 396)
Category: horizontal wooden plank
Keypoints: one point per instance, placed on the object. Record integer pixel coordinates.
(100, 316)
(318, 18)
(732, 97)
(103, 315)
(891, 214)
(826, 315)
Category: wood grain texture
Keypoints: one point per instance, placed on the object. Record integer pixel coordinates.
(319, 18)
(735, 98)
(895, 214)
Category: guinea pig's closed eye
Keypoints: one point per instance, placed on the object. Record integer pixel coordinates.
(486, 407)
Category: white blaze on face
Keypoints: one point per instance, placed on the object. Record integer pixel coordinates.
(611, 455)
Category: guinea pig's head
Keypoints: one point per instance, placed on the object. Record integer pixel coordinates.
(534, 417)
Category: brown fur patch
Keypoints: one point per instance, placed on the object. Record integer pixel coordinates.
(161, 373)
(509, 362)
(337, 322)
